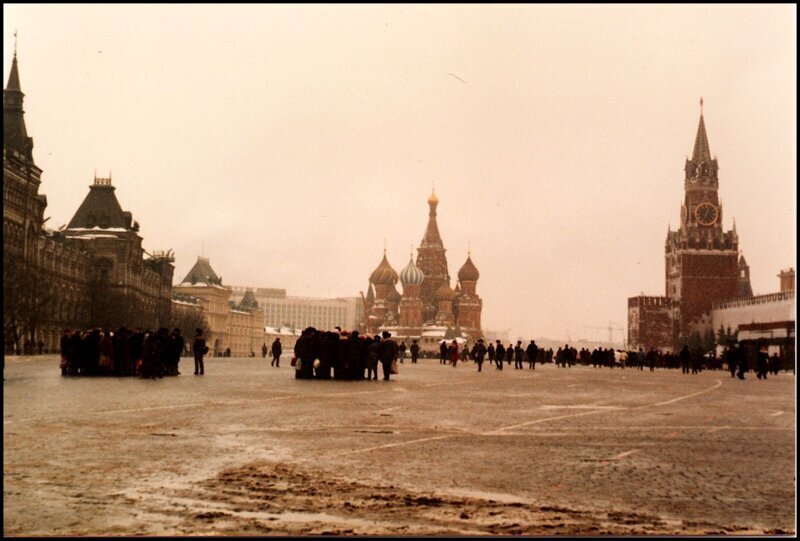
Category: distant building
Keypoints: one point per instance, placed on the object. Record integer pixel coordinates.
(94, 272)
(428, 309)
(281, 310)
(238, 326)
(703, 262)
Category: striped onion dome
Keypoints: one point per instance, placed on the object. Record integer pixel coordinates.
(411, 275)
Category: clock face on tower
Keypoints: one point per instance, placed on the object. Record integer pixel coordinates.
(706, 214)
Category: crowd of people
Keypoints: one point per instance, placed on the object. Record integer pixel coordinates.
(127, 352)
(347, 355)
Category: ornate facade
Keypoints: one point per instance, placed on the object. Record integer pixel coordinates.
(703, 265)
(428, 305)
(67, 279)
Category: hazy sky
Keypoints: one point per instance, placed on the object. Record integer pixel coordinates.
(289, 141)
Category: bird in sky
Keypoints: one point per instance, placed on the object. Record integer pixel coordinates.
(457, 77)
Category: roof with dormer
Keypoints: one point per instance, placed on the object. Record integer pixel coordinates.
(202, 273)
(100, 209)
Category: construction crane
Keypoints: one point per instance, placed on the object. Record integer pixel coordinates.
(611, 328)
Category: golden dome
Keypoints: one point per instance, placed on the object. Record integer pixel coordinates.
(444, 293)
(433, 200)
(384, 274)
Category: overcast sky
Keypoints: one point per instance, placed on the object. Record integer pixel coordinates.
(286, 142)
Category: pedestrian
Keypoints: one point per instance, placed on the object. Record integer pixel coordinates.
(264, 350)
(453, 351)
(640, 358)
(478, 352)
(373, 352)
(443, 352)
(387, 353)
(65, 353)
(686, 358)
(651, 359)
(775, 364)
(490, 353)
(199, 348)
(402, 350)
(499, 355)
(762, 362)
(40, 345)
(532, 351)
(518, 352)
(742, 362)
(178, 342)
(276, 353)
(414, 349)
(509, 354)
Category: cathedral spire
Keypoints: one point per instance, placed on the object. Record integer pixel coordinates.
(701, 149)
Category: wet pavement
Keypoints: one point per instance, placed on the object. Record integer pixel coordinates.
(247, 449)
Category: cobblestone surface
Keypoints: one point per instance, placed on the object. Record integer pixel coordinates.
(247, 449)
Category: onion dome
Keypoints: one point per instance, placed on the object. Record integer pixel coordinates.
(433, 200)
(393, 296)
(444, 293)
(468, 272)
(411, 275)
(384, 275)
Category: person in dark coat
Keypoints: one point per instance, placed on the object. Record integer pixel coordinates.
(402, 350)
(499, 355)
(277, 349)
(775, 364)
(414, 349)
(443, 352)
(743, 364)
(352, 368)
(264, 350)
(65, 352)
(532, 351)
(731, 358)
(452, 352)
(387, 353)
(651, 359)
(686, 359)
(199, 349)
(518, 353)
(478, 353)
(373, 347)
(509, 354)
(762, 362)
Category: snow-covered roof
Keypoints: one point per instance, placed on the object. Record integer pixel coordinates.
(98, 228)
(187, 284)
(89, 237)
(185, 303)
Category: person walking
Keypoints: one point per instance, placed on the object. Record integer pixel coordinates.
(373, 352)
(686, 358)
(401, 349)
(532, 351)
(651, 359)
(387, 353)
(414, 349)
(478, 352)
(264, 350)
(518, 353)
(499, 355)
(199, 349)
(443, 352)
(762, 362)
(640, 358)
(453, 351)
(277, 349)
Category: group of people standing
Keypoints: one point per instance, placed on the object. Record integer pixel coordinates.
(345, 356)
(139, 352)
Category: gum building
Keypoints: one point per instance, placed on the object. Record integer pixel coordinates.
(54, 280)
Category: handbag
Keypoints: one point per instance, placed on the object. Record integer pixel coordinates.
(393, 368)
(294, 361)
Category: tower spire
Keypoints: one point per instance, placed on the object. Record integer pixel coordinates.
(701, 149)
